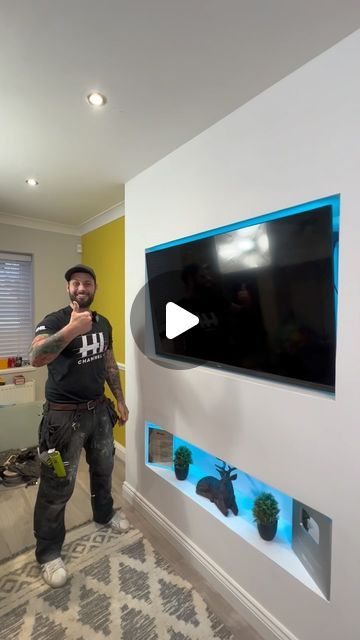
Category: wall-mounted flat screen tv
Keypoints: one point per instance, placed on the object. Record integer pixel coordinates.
(265, 293)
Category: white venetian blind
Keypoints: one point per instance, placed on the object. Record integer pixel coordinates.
(16, 304)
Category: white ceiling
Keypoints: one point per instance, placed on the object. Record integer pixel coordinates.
(170, 69)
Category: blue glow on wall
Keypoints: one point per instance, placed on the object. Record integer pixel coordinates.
(336, 229)
(334, 201)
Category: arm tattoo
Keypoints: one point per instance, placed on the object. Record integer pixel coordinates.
(112, 375)
(44, 351)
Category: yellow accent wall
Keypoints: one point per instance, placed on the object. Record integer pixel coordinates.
(104, 250)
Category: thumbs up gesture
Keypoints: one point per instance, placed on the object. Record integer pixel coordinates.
(80, 321)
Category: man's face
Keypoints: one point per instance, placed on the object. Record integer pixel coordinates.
(81, 289)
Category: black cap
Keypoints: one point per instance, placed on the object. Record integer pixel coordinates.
(80, 268)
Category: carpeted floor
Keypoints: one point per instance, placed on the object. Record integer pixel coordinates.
(119, 587)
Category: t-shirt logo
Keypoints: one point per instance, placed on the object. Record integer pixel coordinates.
(91, 344)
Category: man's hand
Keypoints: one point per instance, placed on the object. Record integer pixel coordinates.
(123, 411)
(80, 321)
(113, 380)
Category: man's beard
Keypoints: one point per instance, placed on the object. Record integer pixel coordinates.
(83, 302)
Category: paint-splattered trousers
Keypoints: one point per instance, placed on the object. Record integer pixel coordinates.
(69, 432)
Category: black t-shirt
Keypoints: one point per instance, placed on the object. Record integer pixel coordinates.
(78, 372)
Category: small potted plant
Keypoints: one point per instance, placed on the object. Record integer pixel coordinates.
(182, 460)
(266, 513)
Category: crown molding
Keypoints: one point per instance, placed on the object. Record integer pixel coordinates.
(36, 223)
(109, 215)
(115, 212)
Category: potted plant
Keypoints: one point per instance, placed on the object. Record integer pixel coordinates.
(182, 460)
(266, 512)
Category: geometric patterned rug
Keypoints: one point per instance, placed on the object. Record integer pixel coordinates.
(119, 588)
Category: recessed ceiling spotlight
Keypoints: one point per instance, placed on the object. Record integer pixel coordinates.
(32, 182)
(96, 99)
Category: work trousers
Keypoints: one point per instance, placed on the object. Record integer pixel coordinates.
(88, 429)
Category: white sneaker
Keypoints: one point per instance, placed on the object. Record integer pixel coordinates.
(119, 523)
(54, 573)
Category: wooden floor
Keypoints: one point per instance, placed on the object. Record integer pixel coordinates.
(16, 534)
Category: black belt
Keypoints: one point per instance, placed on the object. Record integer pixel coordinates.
(82, 406)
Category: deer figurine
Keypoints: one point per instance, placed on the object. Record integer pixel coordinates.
(220, 491)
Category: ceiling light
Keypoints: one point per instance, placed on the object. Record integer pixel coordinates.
(96, 99)
(32, 182)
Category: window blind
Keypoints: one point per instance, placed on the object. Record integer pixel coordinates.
(16, 304)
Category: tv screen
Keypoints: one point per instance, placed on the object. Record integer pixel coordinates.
(264, 292)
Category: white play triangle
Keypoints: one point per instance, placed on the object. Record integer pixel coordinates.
(178, 320)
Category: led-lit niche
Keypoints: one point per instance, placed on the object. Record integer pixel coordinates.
(302, 543)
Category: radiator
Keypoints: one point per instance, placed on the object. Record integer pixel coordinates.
(17, 393)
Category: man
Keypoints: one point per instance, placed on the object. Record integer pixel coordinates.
(76, 346)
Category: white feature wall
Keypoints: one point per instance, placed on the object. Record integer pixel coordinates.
(296, 142)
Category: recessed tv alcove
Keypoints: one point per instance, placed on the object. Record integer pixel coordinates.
(264, 290)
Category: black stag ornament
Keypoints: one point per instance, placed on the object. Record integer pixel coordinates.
(221, 492)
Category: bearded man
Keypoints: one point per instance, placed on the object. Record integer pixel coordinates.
(76, 345)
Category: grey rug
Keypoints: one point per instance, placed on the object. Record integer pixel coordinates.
(119, 587)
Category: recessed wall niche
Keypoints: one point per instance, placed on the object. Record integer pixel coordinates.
(302, 545)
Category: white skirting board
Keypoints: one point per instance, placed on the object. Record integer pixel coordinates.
(261, 619)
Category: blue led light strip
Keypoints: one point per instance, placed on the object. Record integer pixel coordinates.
(334, 201)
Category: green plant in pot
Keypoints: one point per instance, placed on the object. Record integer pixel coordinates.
(266, 513)
(182, 460)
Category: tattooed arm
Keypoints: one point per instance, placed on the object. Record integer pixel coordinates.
(44, 348)
(112, 377)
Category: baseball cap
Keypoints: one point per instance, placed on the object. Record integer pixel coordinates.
(80, 268)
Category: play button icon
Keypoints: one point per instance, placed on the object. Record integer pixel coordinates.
(178, 320)
(154, 323)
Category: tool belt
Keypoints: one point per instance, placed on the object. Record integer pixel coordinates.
(82, 406)
(60, 421)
